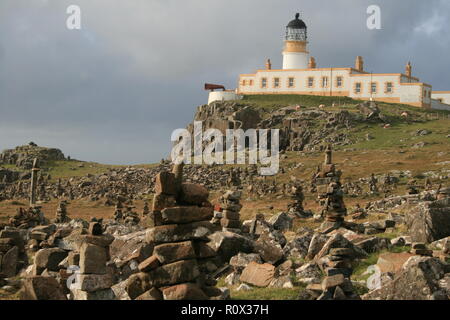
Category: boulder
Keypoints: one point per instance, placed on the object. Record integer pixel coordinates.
(92, 259)
(182, 232)
(149, 264)
(186, 214)
(241, 260)
(429, 221)
(171, 252)
(259, 275)
(281, 221)
(152, 294)
(173, 273)
(228, 244)
(269, 250)
(184, 291)
(49, 259)
(193, 194)
(392, 262)
(41, 288)
(165, 183)
(9, 261)
(94, 282)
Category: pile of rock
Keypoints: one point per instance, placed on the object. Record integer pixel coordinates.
(11, 252)
(94, 281)
(175, 271)
(61, 213)
(295, 208)
(230, 204)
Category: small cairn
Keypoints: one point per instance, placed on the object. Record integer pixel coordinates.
(295, 208)
(61, 213)
(94, 280)
(176, 270)
(230, 203)
(118, 215)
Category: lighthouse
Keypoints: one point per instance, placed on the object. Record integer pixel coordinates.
(295, 54)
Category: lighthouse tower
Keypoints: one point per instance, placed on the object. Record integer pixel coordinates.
(295, 55)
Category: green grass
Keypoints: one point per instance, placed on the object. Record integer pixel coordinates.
(68, 169)
(267, 294)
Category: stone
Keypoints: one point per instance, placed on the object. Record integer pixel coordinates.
(231, 215)
(137, 284)
(186, 214)
(193, 194)
(152, 294)
(227, 223)
(165, 183)
(162, 201)
(149, 264)
(259, 275)
(41, 288)
(92, 259)
(269, 250)
(105, 294)
(184, 291)
(282, 221)
(241, 260)
(243, 287)
(94, 282)
(392, 262)
(171, 252)
(98, 240)
(173, 273)
(418, 280)
(429, 221)
(332, 281)
(228, 244)
(9, 262)
(202, 250)
(95, 228)
(49, 259)
(182, 232)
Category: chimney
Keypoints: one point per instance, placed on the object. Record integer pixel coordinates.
(312, 63)
(359, 63)
(268, 65)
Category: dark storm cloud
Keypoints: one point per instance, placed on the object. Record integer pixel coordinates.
(114, 91)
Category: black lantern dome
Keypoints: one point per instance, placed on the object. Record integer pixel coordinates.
(296, 30)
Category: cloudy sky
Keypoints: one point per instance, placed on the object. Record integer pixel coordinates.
(114, 91)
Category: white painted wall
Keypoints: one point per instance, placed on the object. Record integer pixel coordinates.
(437, 105)
(222, 96)
(295, 60)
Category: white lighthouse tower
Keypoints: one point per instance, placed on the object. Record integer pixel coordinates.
(295, 54)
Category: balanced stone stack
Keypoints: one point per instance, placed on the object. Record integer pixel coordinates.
(230, 202)
(296, 206)
(94, 280)
(61, 213)
(175, 271)
(325, 177)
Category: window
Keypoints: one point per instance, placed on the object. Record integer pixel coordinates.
(251, 82)
(264, 83)
(324, 82)
(244, 82)
(310, 82)
(339, 82)
(276, 82)
(358, 87)
(291, 82)
(389, 87)
(373, 87)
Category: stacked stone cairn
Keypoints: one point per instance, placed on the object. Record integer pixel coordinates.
(94, 280)
(176, 270)
(338, 269)
(61, 213)
(230, 203)
(330, 194)
(295, 208)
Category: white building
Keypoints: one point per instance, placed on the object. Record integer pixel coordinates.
(300, 75)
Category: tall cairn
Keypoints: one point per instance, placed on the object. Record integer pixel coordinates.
(181, 214)
(230, 203)
(34, 175)
(330, 194)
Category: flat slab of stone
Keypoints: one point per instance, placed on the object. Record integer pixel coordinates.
(171, 252)
(186, 214)
(392, 262)
(194, 194)
(173, 273)
(184, 291)
(259, 275)
(181, 232)
(41, 288)
(94, 282)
